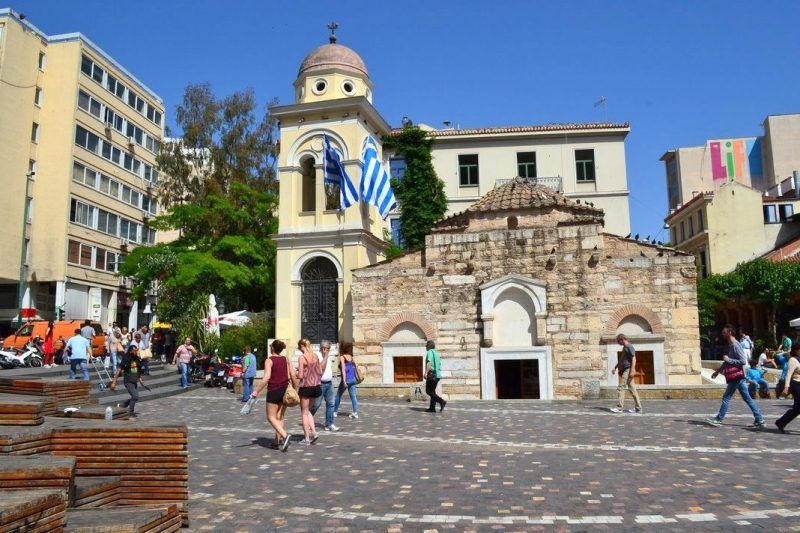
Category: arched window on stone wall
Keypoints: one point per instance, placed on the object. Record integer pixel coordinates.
(403, 354)
(309, 184)
(633, 325)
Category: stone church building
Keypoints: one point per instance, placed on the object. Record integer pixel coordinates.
(524, 294)
(522, 291)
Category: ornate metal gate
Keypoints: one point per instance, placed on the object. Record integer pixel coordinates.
(320, 301)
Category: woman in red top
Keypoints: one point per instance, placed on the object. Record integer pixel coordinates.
(277, 372)
(48, 346)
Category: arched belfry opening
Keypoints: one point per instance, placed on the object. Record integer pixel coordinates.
(319, 301)
(308, 185)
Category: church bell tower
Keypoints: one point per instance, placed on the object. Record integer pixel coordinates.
(318, 245)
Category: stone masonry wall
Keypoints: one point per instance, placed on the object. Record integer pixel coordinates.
(594, 275)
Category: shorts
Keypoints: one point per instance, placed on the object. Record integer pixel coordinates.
(310, 392)
(276, 396)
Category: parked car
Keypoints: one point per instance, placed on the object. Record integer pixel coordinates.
(62, 328)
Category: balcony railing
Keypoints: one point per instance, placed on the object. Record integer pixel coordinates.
(554, 182)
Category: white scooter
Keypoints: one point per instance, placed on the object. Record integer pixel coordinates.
(31, 356)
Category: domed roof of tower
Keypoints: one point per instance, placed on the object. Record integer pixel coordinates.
(333, 55)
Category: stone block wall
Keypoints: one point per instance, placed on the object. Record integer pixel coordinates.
(589, 277)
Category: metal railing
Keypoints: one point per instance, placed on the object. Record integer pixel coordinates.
(554, 182)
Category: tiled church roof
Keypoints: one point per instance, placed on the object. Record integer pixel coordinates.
(537, 128)
(521, 194)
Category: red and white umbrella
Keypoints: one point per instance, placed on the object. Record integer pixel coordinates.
(235, 319)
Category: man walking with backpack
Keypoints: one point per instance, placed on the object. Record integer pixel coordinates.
(433, 373)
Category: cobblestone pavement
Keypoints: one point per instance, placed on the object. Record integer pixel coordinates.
(481, 466)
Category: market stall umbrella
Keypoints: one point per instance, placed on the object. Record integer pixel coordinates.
(795, 323)
(235, 319)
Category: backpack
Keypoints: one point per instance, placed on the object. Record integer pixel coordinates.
(361, 373)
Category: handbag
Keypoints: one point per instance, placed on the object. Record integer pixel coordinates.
(290, 397)
(361, 373)
(732, 372)
(145, 353)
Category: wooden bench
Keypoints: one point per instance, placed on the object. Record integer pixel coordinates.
(123, 520)
(62, 392)
(100, 491)
(21, 410)
(37, 472)
(36, 510)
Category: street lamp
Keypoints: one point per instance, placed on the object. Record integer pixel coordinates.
(26, 212)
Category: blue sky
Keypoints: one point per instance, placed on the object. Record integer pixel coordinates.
(680, 72)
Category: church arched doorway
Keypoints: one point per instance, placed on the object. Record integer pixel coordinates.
(319, 301)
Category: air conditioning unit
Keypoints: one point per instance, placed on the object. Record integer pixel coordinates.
(109, 125)
(123, 243)
(130, 142)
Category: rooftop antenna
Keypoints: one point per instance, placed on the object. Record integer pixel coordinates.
(602, 103)
(333, 26)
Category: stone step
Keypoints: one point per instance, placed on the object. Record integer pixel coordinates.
(137, 519)
(97, 491)
(160, 392)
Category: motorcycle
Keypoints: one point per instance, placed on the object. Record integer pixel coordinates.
(31, 356)
(199, 368)
(8, 361)
(217, 373)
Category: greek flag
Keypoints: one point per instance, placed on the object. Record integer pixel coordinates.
(376, 186)
(336, 175)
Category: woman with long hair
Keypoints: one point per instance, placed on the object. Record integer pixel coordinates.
(310, 369)
(277, 373)
(349, 382)
(48, 345)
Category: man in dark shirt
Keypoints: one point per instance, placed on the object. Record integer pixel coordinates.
(627, 371)
(129, 370)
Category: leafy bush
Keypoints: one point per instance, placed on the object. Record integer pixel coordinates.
(254, 334)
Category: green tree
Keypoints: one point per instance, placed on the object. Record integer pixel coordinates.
(420, 193)
(218, 188)
(772, 283)
(711, 291)
(254, 334)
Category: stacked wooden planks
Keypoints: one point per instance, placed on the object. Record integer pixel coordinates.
(96, 491)
(151, 461)
(25, 440)
(96, 412)
(123, 520)
(37, 472)
(37, 510)
(21, 410)
(62, 392)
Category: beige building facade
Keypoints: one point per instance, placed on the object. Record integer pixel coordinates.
(734, 200)
(85, 166)
(319, 246)
(525, 293)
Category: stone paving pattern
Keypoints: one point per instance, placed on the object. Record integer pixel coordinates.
(484, 466)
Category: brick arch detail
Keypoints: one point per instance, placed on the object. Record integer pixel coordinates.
(416, 319)
(633, 309)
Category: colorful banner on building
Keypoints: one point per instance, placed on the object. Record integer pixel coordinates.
(736, 160)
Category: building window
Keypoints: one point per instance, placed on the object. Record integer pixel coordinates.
(526, 164)
(702, 263)
(37, 96)
(309, 185)
(683, 230)
(700, 222)
(584, 165)
(674, 235)
(114, 86)
(31, 167)
(29, 209)
(74, 252)
(691, 227)
(468, 170)
(27, 252)
(673, 184)
(42, 61)
(35, 133)
(397, 167)
(81, 213)
(397, 234)
(785, 211)
(770, 214)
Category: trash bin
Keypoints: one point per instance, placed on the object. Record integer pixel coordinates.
(238, 386)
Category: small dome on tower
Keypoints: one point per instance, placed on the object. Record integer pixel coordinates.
(333, 55)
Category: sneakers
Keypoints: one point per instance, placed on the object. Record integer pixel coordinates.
(304, 442)
(780, 428)
(332, 427)
(430, 410)
(354, 416)
(635, 411)
(759, 423)
(716, 422)
(285, 443)
(444, 402)
(335, 414)
(616, 410)
(314, 438)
